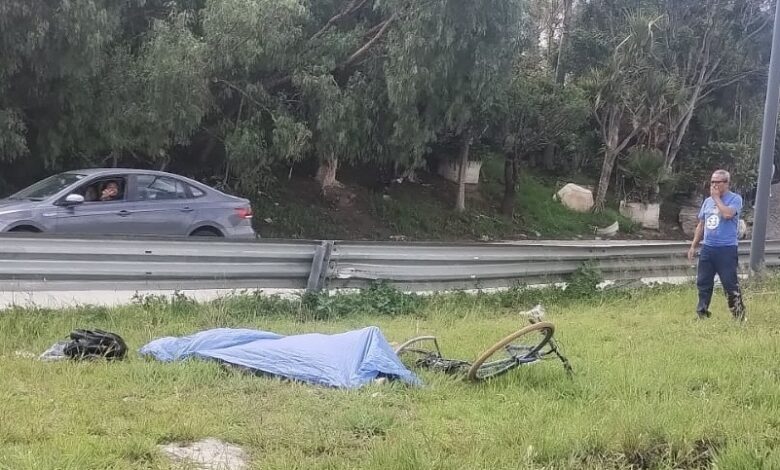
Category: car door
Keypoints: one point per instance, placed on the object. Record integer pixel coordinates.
(161, 206)
(97, 217)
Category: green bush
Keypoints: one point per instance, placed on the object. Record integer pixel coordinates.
(584, 281)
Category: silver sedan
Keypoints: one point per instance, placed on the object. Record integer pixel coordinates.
(125, 202)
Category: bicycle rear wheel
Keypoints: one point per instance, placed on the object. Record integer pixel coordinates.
(415, 347)
(413, 354)
(521, 347)
(413, 351)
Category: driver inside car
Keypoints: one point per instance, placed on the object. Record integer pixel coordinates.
(110, 192)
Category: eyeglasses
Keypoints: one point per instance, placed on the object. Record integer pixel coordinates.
(718, 181)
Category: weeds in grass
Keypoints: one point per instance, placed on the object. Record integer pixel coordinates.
(379, 299)
(382, 299)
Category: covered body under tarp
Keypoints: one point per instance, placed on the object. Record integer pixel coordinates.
(344, 360)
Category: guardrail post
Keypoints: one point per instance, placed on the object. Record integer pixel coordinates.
(319, 267)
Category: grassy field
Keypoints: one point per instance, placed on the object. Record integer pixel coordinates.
(654, 388)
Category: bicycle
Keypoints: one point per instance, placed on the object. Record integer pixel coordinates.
(527, 345)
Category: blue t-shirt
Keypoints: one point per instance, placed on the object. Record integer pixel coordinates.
(719, 231)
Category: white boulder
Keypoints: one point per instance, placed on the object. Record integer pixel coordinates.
(575, 197)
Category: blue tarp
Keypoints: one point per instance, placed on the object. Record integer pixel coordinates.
(345, 360)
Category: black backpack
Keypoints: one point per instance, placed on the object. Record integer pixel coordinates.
(94, 344)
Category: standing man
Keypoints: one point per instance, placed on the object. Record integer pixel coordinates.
(718, 227)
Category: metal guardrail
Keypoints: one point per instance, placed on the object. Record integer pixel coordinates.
(35, 263)
(435, 266)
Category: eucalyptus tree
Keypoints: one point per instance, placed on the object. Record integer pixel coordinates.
(533, 113)
(448, 60)
(81, 80)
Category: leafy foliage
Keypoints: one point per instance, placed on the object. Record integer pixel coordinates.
(584, 282)
(12, 135)
(233, 90)
(535, 112)
(646, 169)
(378, 299)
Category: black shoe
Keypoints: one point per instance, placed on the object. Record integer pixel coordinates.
(739, 315)
(703, 315)
(737, 307)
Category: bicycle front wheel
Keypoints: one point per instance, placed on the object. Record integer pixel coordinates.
(520, 347)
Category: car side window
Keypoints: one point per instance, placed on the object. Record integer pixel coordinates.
(195, 191)
(159, 188)
(104, 190)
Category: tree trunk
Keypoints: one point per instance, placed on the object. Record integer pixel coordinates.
(574, 164)
(549, 157)
(606, 173)
(679, 132)
(205, 151)
(560, 71)
(510, 183)
(326, 174)
(550, 41)
(614, 145)
(465, 145)
(226, 177)
(560, 75)
(534, 160)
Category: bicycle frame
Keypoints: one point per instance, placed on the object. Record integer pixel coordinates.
(518, 356)
(535, 315)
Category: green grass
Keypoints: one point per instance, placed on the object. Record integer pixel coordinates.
(536, 211)
(540, 213)
(654, 388)
(432, 218)
(294, 218)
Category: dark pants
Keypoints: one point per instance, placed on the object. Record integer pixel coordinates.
(724, 262)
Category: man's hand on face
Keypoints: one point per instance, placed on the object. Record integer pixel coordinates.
(715, 191)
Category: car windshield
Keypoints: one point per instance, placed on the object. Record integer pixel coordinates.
(48, 187)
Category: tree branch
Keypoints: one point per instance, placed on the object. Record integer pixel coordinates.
(600, 122)
(243, 94)
(380, 31)
(351, 8)
(726, 81)
(764, 24)
(372, 32)
(626, 140)
(357, 55)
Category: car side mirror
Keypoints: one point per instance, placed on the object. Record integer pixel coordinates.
(74, 199)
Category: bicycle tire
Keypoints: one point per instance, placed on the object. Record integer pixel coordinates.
(405, 345)
(547, 330)
(412, 352)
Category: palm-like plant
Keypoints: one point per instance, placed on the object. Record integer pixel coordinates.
(631, 94)
(645, 167)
